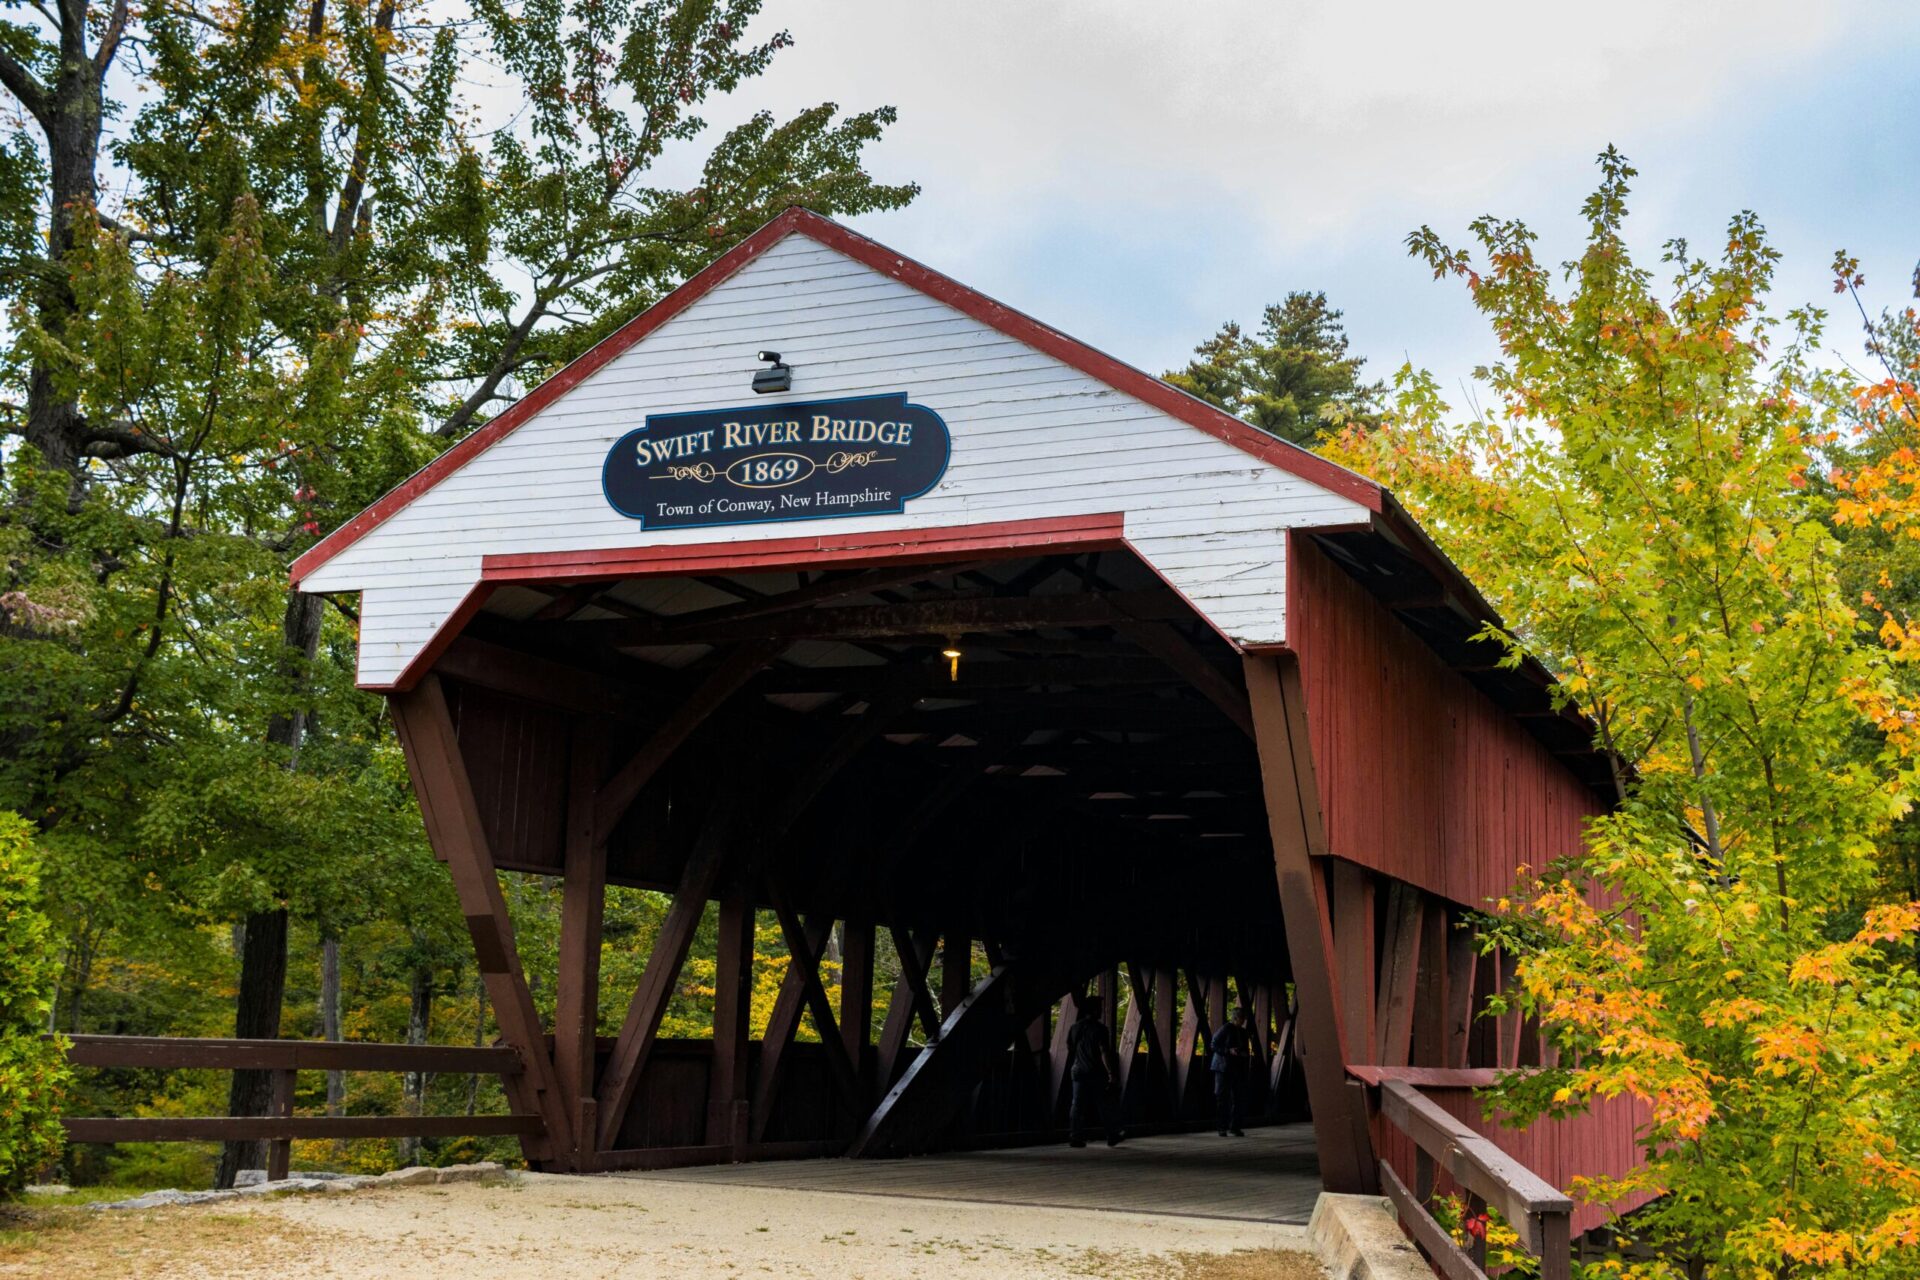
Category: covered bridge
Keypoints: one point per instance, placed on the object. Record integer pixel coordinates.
(831, 589)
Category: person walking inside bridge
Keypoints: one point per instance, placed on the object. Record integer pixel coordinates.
(1095, 1068)
(1232, 1048)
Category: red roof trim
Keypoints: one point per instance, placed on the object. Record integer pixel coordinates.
(1015, 324)
(1054, 535)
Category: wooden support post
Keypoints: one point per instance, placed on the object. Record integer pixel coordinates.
(1353, 937)
(1192, 1032)
(806, 946)
(280, 1150)
(800, 992)
(727, 1112)
(1110, 1000)
(1166, 1013)
(1058, 1064)
(452, 816)
(1341, 1129)
(1139, 1013)
(1399, 965)
(1282, 1046)
(583, 893)
(910, 1000)
(1463, 960)
(782, 1022)
(956, 971)
(649, 1004)
(920, 995)
(1509, 1022)
(1430, 999)
(856, 991)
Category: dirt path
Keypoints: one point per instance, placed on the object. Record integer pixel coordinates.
(576, 1228)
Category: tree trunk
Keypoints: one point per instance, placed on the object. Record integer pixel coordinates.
(263, 958)
(263, 980)
(68, 110)
(330, 1018)
(414, 1083)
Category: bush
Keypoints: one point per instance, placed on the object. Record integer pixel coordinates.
(33, 1069)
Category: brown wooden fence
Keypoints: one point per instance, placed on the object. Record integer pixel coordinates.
(1540, 1215)
(283, 1058)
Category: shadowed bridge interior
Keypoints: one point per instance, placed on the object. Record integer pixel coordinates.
(1077, 795)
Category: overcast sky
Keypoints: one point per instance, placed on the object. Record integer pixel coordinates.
(1136, 172)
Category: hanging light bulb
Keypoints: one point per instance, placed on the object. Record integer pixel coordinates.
(952, 654)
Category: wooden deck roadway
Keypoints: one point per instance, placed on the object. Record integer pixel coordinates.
(1268, 1176)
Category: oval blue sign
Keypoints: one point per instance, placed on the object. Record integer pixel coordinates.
(858, 456)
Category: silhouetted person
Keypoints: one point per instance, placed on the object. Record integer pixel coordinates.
(1232, 1050)
(1094, 1067)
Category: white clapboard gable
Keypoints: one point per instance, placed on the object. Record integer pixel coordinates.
(1034, 437)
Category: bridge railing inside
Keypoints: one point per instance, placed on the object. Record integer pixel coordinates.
(1540, 1215)
(284, 1058)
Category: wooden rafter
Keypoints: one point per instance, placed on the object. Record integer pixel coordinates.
(1165, 642)
(627, 782)
(518, 674)
(928, 619)
(829, 588)
(933, 679)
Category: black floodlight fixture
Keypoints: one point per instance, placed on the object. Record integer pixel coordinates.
(777, 378)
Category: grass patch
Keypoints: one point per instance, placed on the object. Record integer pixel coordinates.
(1248, 1264)
(160, 1242)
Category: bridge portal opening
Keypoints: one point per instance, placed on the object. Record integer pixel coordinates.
(969, 790)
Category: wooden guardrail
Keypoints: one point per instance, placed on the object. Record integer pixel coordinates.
(1540, 1215)
(283, 1058)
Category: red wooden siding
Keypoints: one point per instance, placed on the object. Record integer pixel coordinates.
(1421, 776)
(516, 758)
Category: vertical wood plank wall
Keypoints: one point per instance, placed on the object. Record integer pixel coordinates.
(1421, 777)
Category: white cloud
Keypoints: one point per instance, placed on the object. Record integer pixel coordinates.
(1306, 116)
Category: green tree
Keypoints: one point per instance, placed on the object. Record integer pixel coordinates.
(33, 1069)
(1637, 503)
(1293, 378)
(323, 268)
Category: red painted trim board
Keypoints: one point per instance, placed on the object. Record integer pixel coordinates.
(1078, 355)
(1053, 535)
